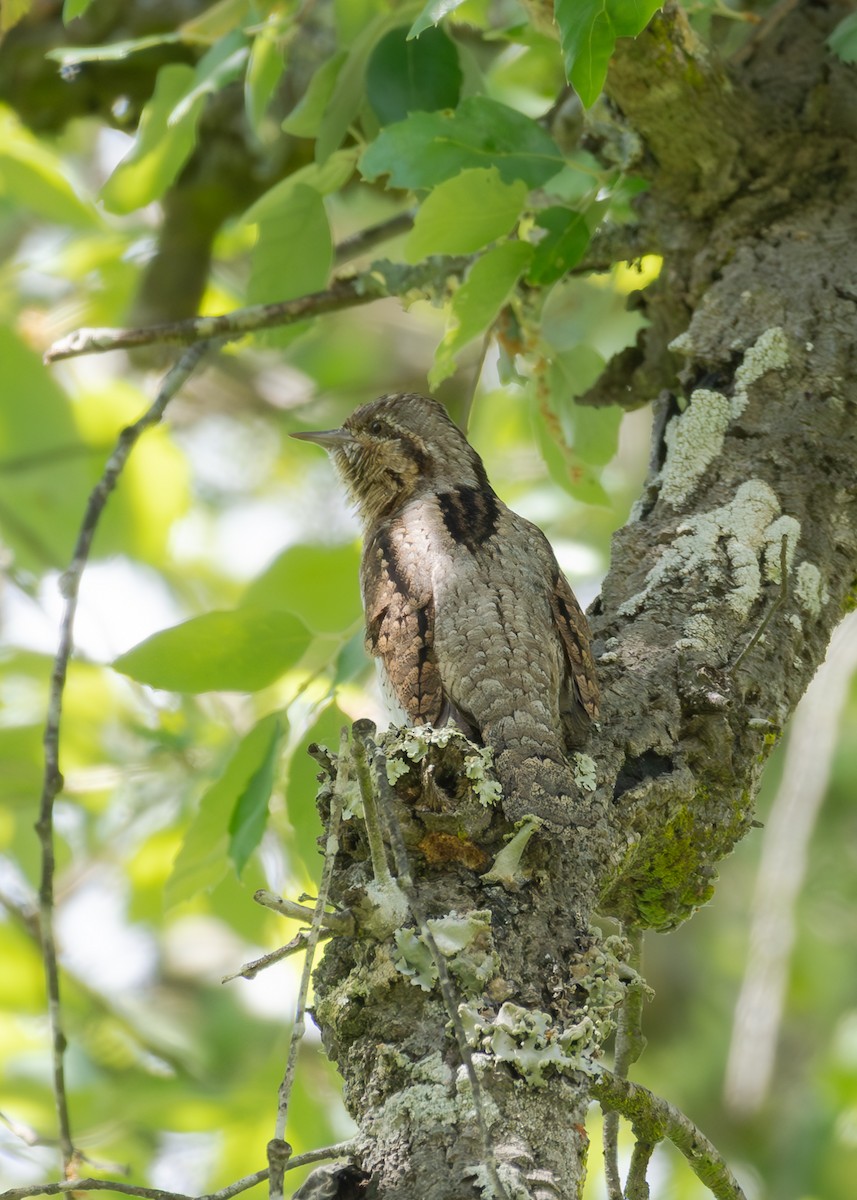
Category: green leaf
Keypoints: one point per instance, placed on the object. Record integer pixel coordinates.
(405, 76)
(203, 859)
(465, 213)
(250, 814)
(13, 11)
(160, 148)
(293, 253)
(264, 71)
(433, 14)
(477, 302)
(843, 40)
(578, 478)
(348, 92)
(588, 30)
(306, 117)
(218, 19)
(34, 176)
(44, 476)
(239, 651)
(219, 66)
(74, 8)
(428, 148)
(300, 580)
(562, 247)
(324, 177)
(591, 433)
(302, 783)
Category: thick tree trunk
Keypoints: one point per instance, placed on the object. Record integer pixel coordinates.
(752, 202)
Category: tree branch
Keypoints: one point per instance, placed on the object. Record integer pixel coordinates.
(340, 1150)
(278, 1149)
(380, 281)
(654, 1119)
(53, 781)
(630, 1044)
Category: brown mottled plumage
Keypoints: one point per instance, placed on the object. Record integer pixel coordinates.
(466, 606)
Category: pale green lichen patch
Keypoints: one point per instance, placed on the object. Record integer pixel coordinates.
(693, 441)
(810, 589)
(414, 960)
(528, 1040)
(421, 1103)
(740, 527)
(770, 352)
(585, 772)
(466, 943)
(405, 746)
(477, 767)
(783, 528)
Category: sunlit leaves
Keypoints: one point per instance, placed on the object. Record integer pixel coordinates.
(305, 118)
(566, 236)
(33, 176)
(243, 651)
(161, 146)
(428, 148)
(843, 40)
(231, 815)
(264, 70)
(477, 302)
(299, 580)
(434, 11)
(293, 250)
(412, 75)
(250, 814)
(588, 31)
(44, 476)
(465, 213)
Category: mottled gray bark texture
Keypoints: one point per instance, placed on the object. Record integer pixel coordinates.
(749, 359)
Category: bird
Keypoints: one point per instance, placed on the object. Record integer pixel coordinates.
(466, 608)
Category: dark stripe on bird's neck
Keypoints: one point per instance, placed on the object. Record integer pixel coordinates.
(470, 514)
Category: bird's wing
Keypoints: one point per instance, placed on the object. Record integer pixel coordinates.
(400, 629)
(574, 634)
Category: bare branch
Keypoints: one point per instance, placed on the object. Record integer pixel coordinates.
(630, 1044)
(339, 1150)
(336, 922)
(365, 239)
(52, 781)
(278, 1149)
(381, 280)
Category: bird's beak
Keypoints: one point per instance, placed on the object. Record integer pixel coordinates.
(330, 439)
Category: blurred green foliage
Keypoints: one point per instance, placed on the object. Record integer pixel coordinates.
(223, 585)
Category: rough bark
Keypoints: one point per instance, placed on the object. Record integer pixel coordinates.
(753, 190)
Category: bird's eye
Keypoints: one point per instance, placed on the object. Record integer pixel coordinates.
(376, 427)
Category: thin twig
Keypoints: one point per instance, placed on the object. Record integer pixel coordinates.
(380, 280)
(654, 1118)
(630, 1044)
(447, 990)
(637, 1186)
(336, 922)
(371, 815)
(278, 1149)
(365, 239)
(297, 945)
(52, 781)
(340, 1150)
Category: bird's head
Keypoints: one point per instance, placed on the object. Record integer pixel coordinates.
(394, 448)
